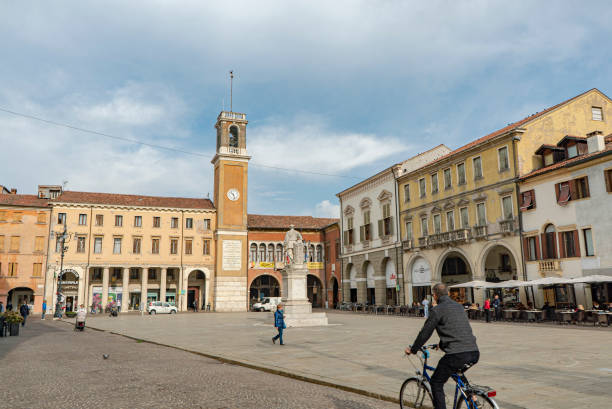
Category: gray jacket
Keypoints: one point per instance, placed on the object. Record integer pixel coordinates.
(450, 321)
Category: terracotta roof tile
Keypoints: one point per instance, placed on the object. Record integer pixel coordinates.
(22, 200)
(133, 200)
(503, 130)
(283, 222)
(568, 162)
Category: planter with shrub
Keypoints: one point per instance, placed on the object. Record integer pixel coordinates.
(71, 314)
(12, 320)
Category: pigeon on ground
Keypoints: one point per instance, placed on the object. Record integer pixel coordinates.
(105, 356)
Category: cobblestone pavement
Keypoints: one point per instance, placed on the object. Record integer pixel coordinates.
(51, 366)
(530, 365)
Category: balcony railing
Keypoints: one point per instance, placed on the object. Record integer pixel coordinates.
(507, 226)
(407, 244)
(480, 232)
(423, 241)
(446, 238)
(550, 266)
(232, 115)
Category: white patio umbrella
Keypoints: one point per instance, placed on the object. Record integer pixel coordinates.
(472, 284)
(506, 284)
(593, 279)
(547, 281)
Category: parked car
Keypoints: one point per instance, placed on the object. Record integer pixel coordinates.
(158, 307)
(267, 304)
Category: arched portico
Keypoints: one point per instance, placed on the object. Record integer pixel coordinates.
(454, 268)
(196, 283)
(314, 291)
(420, 274)
(17, 296)
(370, 283)
(264, 285)
(391, 293)
(351, 280)
(333, 292)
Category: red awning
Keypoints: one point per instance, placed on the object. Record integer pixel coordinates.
(526, 200)
(564, 194)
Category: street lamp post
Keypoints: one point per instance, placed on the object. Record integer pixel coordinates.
(62, 237)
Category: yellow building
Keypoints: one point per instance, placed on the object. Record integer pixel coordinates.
(24, 228)
(460, 218)
(127, 248)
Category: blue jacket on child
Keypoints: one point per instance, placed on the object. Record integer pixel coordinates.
(279, 321)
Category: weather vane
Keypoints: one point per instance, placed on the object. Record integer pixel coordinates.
(231, 90)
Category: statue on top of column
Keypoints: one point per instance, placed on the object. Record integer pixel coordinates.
(294, 246)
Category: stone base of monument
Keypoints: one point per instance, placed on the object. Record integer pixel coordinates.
(298, 313)
(297, 308)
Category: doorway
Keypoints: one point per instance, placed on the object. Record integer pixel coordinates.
(193, 298)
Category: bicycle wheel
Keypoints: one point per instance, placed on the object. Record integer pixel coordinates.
(478, 402)
(414, 394)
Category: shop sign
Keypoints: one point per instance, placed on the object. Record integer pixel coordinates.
(262, 264)
(421, 272)
(315, 265)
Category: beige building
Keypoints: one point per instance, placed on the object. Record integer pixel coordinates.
(128, 248)
(24, 228)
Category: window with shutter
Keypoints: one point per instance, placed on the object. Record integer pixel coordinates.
(588, 242)
(528, 200)
(563, 193)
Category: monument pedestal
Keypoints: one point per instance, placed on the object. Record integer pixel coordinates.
(297, 308)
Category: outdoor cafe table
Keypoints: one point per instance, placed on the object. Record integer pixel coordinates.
(511, 314)
(565, 314)
(535, 315)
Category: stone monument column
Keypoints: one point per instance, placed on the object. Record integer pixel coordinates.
(297, 307)
(162, 284)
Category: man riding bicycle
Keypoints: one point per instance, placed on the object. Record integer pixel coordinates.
(450, 321)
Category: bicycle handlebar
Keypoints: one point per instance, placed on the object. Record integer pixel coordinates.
(426, 347)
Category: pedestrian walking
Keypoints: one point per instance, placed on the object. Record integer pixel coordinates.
(279, 323)
(44, 309)
(497, 307)
(24, 310)
(9, 306)
(425, 307)
(1, 307)
(118, 304)
(487, 309)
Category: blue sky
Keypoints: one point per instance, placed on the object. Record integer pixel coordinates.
(344, 87)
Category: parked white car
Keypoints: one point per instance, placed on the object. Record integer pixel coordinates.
(159, 307)
(267, 304)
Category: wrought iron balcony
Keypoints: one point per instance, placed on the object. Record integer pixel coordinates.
(446, 238)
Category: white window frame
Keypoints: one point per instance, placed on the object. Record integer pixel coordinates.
(439, 222)
(435, 176)
(459, 183)
(507, 158)
(426, 224)
(423, 187)
(115, 245)
(450, 172)
(82, 219)
(452, 213)
(511, 207)
(585, 242)
(593, 109)
(467, 212)
(476, 177)
(484, 206)
(96, 241)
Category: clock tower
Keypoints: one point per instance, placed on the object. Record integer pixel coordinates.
(231, 180)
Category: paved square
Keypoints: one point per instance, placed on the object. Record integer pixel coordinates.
(530, 365)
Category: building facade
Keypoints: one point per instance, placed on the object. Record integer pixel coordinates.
(267, 257)
(132, 249)
(24, 232)
(371, 247)
(566, 231)
(460, 214)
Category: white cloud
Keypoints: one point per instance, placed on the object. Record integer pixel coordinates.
(326, 208)
(307, 143)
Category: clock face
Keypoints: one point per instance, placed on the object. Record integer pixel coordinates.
(233, 194)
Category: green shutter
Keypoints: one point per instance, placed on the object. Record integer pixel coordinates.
(380, 228)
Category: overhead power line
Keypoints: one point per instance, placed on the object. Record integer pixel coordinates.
(162, 147)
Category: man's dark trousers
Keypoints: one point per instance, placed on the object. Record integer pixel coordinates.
(448, 365)
(280, 335)
(24, 320)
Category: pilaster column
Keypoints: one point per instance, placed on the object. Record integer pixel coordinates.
(162, 285)
(105, 274)
(180, 287)
(143, 289)
(125, 297)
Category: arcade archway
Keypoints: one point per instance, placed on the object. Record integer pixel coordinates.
(314, 291)
(264, 286)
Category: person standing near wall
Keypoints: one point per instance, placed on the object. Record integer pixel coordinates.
(487, 309)
(426, 307)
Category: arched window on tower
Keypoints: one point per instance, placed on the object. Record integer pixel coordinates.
(233, 137)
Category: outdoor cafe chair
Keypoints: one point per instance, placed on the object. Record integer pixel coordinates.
(602, 319)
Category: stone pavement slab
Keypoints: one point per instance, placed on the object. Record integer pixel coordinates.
(51, 366)
(530, 365)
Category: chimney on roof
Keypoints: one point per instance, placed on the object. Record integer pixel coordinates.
(13, 191)
(595, 142)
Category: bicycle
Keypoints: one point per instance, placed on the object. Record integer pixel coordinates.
(416, 390)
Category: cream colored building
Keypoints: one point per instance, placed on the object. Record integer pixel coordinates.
(128, 247)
